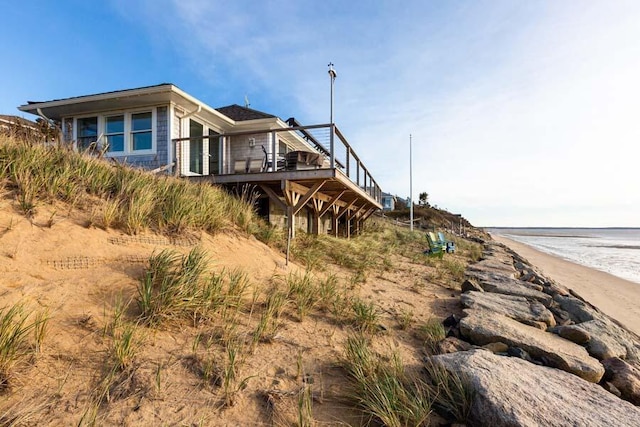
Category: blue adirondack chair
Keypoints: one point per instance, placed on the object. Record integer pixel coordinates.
(449, 245)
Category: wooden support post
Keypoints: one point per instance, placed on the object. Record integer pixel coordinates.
(368, 213)
(317, 207)
(331, 203)
(305, 199)
(274, 197)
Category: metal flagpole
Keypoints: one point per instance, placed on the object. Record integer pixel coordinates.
(410, 183)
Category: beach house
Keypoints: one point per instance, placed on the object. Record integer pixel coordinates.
(307, 177)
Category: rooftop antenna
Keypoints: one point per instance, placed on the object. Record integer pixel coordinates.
(246, 102)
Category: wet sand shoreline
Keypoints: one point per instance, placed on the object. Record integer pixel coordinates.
(618, 298)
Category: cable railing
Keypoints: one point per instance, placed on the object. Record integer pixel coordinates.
(301, 142)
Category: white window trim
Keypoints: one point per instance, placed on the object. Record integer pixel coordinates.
(128, 140)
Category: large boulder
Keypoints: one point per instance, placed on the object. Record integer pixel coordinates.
(515, 307)
(574, 334)
(607, 340)
(483, 327)
(625, 378)
(496, 283)
(496, 263)
(579, 311)
(512, 392)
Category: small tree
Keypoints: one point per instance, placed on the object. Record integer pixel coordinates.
(423, 199)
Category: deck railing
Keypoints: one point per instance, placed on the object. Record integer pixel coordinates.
(325, 139)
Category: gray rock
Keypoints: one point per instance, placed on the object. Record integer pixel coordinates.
(561, 316)
(574, 334)
(496, 347)
(496, 283)
(451, 321)
(515, 307)
(471, 285)
(451, 345)
(519, 353)
(482, 327)
(624, 377)
(496, 264)
(608, 339)
(579, 310)
(552, 288)
(611, 389)
(512, 392)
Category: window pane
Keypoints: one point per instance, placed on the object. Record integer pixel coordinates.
(141, 121)
(195, 128)
(115, 142)
(141, 141)
(115, 124)
(87, 126)
(84, 143)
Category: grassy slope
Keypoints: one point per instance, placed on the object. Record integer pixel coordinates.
(265, 344)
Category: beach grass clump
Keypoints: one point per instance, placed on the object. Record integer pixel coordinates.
(127, 198)
(270, 317)
(117, 378)
(366, 316)
(179, 287)
(454, 268)
(383, 389)
(15, 333)
(453, 391)
(304, 292)
(404, 318)
(468, 249)
(431, 333)
(328, 291)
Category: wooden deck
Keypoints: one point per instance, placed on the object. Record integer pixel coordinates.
(323, 191)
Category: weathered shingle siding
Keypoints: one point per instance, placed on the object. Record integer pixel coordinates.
(241, 150)
(67, 130)
(162, 136)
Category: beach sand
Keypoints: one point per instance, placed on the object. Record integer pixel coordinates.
(616, 297)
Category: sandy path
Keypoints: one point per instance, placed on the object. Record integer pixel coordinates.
(616, 297)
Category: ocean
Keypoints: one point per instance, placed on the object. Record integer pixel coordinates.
(614, 250)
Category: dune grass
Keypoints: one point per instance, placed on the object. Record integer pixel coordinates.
(16, 327)
(383, 389)
(391, 396)
(119, 196)
(431, 333)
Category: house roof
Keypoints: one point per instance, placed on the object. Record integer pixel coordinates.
(240, 114)
(164, 93)
(15, 120)
(79, 98)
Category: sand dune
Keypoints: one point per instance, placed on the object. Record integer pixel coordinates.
(616, 297)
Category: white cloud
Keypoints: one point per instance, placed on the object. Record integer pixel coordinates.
(528, 109)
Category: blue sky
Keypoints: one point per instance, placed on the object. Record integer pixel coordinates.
(523, 113)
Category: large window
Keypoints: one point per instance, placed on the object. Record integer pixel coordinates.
(87, 132)
(114, 133)
(121, 134)
(141, 131)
